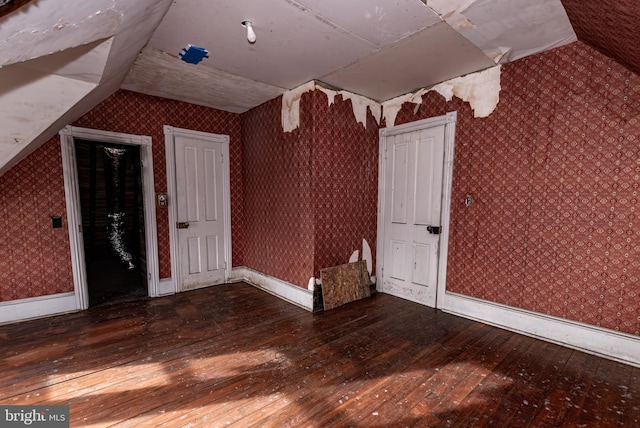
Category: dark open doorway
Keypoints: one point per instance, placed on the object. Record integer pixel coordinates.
(112, 208)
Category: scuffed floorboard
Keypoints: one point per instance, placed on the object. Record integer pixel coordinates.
(234, 355)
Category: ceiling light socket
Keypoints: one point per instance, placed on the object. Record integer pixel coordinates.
(251, 35)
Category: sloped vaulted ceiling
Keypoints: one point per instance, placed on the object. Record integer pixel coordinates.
(611, 26)
(376, 48)
(59, 59)
(379, 49)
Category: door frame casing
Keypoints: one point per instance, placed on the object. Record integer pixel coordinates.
(170, 132)
(449, 122)
(74, 214)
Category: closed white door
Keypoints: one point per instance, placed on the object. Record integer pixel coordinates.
(412, 211)
(200, 194)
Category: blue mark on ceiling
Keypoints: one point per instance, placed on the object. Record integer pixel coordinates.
(193, 54)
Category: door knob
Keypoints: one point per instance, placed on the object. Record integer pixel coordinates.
(182, 225)
(434, 230)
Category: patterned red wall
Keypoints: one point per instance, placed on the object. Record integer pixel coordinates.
(35, 259)
(279, 228)
(611, 26)
(310, 195)
(345, 182)
(133, 113)
(555, 174)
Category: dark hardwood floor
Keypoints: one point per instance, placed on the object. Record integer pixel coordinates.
(234, 355)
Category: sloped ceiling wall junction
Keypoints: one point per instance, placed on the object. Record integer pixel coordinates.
(379, 49)
(59, 61)
(610, 26)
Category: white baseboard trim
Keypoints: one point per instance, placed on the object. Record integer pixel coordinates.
(37, 307)
(621, 347)
(415, 294)
(286, 291)
(166, 287)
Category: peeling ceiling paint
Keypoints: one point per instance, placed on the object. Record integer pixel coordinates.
(393, 106)
(291, 106)
(481, 90)
(359, 104)
(379, 49)
(413, 62)
(373, 49)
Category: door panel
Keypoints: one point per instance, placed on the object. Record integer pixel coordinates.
(399, 185)
(213, 253)
(398, 252)
(414, 160)
(428, 179)
(194, 255)
(423, 258)
(188, 209)
(211, 185)
(199, 183)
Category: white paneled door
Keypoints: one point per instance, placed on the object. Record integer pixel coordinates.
(413, 165)
(201, 196)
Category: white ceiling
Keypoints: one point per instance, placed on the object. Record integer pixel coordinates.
(376, 48)
(70, 55)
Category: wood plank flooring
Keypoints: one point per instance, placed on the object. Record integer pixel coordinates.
(233, 355)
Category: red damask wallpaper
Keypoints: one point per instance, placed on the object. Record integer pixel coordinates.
(345, 182)
(554, 173)
(611, 26)
(35, 258)
(310, 195)
(279, 227)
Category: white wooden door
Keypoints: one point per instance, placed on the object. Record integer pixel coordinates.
(200, 194)
(412, 212)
